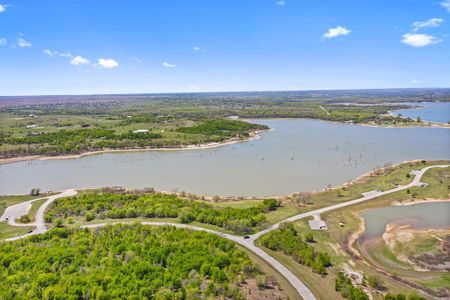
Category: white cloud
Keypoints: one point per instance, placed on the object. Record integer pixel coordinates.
(22, 43)
(57, 53)
(198, 49)
(335, 32)
(65, 54)
(2, 8)
(49, 52)
(107, 63)
(281, 3)
(2, 41)
(78, 60)
(167, 65)
(419, 39)
(446, 4)
(433, 22)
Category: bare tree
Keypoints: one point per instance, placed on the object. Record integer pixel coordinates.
(302, 198)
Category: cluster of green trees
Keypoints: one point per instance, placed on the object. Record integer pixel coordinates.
(123, 262)
(344, 285)
(222, 127)
(70, 141)
(158, 205)
(288, 240)
(78, 136)
(77, 140)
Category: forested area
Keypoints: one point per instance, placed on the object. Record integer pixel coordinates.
(288, 240)
(158, 205)
(123, 261)
(78, 140)
(224, 128)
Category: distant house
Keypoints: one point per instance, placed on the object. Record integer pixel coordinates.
(129, 116)
(31, 126)
(140, 131)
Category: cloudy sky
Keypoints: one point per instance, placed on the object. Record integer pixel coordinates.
(79, 47)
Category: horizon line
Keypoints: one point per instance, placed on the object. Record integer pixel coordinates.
(230, 91)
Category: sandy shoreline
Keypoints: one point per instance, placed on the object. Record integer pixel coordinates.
(254, 135)
(413, 202)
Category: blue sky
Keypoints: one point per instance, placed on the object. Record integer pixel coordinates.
(87, 46)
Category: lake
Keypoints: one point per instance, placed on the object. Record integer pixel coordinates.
(298, 155)
(430, 111)
(423, 215)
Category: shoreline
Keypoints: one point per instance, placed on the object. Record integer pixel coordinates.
(253, 135)
(419, 107)
(422, 201)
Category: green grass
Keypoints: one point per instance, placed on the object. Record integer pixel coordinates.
(322, 287)
(383, 181)
(436, 283)
(7, 231)
(285, 211)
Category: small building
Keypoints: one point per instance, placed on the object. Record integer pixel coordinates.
(31, 126)
(140, 131)
(129, 117)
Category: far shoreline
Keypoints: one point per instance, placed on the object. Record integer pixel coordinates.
(253, 135)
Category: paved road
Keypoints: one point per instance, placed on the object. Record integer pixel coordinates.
(16, 211)
(249, 243)
(375, 194)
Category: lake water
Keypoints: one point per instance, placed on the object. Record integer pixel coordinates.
(431, 112)
(298, 155)
(423, 215)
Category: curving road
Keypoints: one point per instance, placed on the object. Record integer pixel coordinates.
(249, 242)
(16, 211)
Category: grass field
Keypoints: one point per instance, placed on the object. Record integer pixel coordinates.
(7, 231)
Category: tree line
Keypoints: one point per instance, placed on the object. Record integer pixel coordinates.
(158, 205)
(288, 240)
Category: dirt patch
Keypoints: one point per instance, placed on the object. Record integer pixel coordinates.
(271, 290)
(395, 236)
